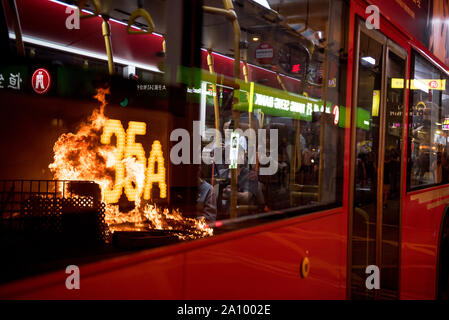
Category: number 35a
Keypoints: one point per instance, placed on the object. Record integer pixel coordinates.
(127, 147)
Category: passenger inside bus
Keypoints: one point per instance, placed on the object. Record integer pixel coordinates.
(206, 201)
(249, 189)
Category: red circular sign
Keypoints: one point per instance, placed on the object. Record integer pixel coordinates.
(264, 53)
(336, 113)
(41, 81)
(433, 84)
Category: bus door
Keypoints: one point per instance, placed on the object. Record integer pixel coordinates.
(377, 134)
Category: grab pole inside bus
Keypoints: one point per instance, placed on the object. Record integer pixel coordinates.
(322, 128)
(17, 27)
(229, 13)
(295, 164)
(250, 109)
(246, 78)
(210, 63)
(106, 30)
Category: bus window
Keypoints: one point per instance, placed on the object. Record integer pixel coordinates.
(428, 125)
(289, 92)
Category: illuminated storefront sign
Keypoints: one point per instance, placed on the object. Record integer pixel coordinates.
(127, 147)
(12, 77)
(445, 125)
(376, 103)
(296, 68)
(281, 104)
(336, 113)
(264, 53)
(397, 83)
(207, 92)
(420, 84)
(253, 96)
(363, 119)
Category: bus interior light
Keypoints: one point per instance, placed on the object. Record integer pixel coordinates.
(369, 60)
(82, 52)
(263, 3)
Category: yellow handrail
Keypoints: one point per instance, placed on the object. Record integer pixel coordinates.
(82, 4)
(210, 63)
(140, 12)
(246, 77)
(281, 83)
(106, 30)
(230, 14)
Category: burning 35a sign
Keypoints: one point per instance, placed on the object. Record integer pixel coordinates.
(89, 154)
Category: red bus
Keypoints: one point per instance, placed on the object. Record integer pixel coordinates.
(224, 150)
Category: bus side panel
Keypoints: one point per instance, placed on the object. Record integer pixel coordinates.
(112, 279)
(267, 265)
(259, 265)
(420, 234)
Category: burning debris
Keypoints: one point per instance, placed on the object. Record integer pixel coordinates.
(150, 217)
(82, 156)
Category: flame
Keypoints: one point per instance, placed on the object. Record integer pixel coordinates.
(135, 171)
(82, 156)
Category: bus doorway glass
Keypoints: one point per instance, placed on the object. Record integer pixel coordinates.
(377, 137)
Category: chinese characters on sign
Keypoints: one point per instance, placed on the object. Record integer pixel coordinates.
(307, 108)
(14, 81)
(153, 87)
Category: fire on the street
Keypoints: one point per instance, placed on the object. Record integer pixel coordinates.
(82, 156)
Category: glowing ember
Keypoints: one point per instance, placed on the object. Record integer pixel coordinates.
(82, 156)
(151, 217)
